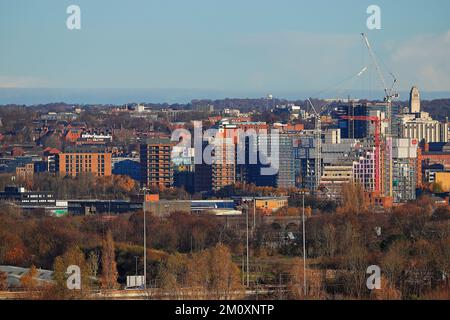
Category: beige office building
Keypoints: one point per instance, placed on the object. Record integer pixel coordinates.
(422, 127)
(419, 125)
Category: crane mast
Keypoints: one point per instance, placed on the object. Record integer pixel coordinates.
(318, 149)
(388, 96)
(377, 66)
(388, 93)
(318, 137)
(318, 162)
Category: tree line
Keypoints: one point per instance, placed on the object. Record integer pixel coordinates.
(410, 244)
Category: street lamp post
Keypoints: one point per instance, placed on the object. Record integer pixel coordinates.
(304, 242)
(136, 258)
(145, 241)
(254, 213)
(248, 275)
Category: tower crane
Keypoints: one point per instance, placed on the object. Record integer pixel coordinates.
(318, 135)
(389, 95)
(318, 139)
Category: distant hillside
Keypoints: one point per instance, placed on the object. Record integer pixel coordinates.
(438, 109)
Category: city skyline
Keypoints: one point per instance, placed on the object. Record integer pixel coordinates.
(233, 153)
(218, 50)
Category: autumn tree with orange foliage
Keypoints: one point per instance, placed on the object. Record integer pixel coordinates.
(225, 275)
(411, 219)
(3, 281)
(124, 183)
(394, 261)
(15, 251)
(442, 292)
(315, 288)
(172, 274)
(15, 255)
(74, 256)
(252, 190)
(353, 199)
(213, 274)
(386, 292)
(28, 281)
(109, 266)
(330, 237)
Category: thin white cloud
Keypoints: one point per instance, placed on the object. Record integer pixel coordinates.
(424, 61)
(22, 82)
(315, 61)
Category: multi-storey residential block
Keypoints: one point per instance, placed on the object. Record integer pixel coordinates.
(404, 167)
(364, 171)
(217, 168)
(334, 177)
(285, 178)
(335, 151)
(25, 173)
(77, 161)
(156, 166)
(202, 173)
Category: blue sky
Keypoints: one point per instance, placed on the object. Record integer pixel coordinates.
(251, 46)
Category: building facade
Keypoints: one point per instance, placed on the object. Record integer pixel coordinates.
(25, 173)
(28, 199)
(419, 125)
(352, 129)
(404, 169)
(422, 127)
(334, 177)
(285, 177)
(414, 100)
(364, 171)
(81, 161)
(156, 166)
(130, 167)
